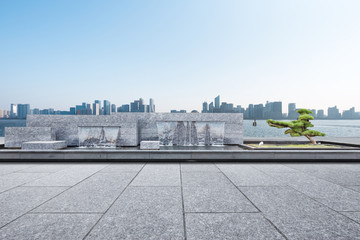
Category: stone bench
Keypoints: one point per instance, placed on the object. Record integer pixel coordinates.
(44, 145)
(15, 136)
(150, 145)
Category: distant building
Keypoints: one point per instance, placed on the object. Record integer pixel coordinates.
(217, 102)
(107, 107)
(313, 113)
(95, 108)
(113, 108)
(13, 110)
(292, 114)
(35, 111)
(211, 107)
(23, 110)
(124, 108)
(180, 111)
(151, 105)
(205, 107)
(333, 113)
(349, 114)
(320, 114)
(259, 111)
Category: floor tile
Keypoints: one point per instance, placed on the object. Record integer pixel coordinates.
(69, 176)
(229, 226)
(50, 226)
(158, 175)
(143, 213)
(298, 216)
(216, 199)
(20, 200)
(95, 194)
(15, 179)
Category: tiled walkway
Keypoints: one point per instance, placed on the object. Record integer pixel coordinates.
(179, 201)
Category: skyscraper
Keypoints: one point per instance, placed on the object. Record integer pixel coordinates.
(13, 110)
(292, 114)
(23, 110)
(217, 102)
(211, 107)
(333, 113)
(107, 107)
(113, 108)
(205, 107)
(100, 108)
(96, 108)
(151, 105)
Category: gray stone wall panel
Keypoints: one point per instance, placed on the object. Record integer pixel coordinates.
(15, 136)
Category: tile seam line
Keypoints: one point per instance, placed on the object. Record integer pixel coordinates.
(182, 201)
(314, 199)
(50, 198)
(102, 216)
(276, 228)
(326, 180)
(22, 185)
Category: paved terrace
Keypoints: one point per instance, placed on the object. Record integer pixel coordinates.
(179, 201)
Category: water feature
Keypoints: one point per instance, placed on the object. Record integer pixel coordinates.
(99, 137)
(190, 133)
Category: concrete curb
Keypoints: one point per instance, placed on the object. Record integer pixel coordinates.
(177, 155)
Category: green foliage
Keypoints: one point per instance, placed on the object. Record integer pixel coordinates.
(298, 127)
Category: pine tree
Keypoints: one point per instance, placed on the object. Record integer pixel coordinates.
(298, 127)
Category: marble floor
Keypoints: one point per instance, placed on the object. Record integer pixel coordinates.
(179, 201)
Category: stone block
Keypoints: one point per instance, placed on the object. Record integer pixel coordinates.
(44, 145)
(15, 136)
(150, 145)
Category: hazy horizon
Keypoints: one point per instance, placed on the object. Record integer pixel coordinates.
(180, 53)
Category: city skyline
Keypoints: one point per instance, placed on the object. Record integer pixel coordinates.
(294, 51)
(268, 110)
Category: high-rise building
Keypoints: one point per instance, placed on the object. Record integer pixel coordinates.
(211, 107)
(151, 105)
(217, 102)
(313, 113)
(124, 108)
(100, 107)
(96, 108)
(292, 114)
(333, 113)
(349, 114)
(259, 111)
(276, 110)
(13, 110)
(107, 107)
(320, 114)
(135, 106)
(23, 110)
(113, 108)
(205, 107)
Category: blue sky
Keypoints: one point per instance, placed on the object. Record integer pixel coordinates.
(181, 53)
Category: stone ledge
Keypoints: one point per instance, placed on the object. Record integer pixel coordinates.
(44, 145)
(150, 145)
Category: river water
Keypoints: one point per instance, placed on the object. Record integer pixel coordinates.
(332, 128)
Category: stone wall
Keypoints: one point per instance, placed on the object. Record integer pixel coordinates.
(66, 127)
(15, 136)
(135, 127)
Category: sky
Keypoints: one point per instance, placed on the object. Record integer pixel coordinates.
(180, 53)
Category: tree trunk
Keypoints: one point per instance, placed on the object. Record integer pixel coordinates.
(310, 139)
